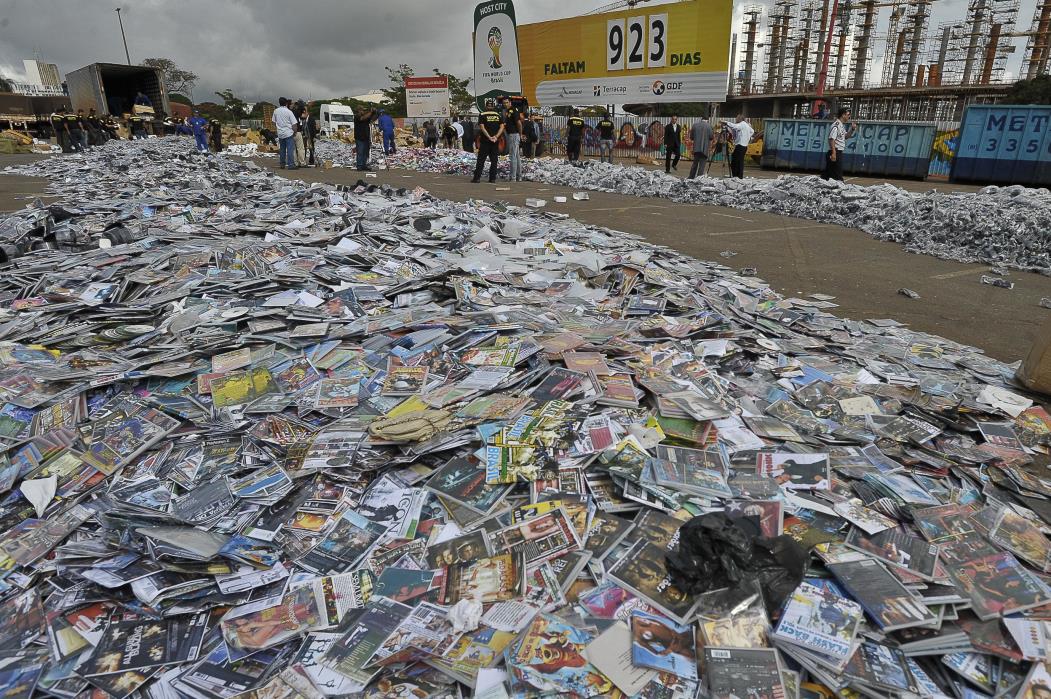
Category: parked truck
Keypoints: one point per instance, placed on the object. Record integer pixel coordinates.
(335, 116)
(111, 89)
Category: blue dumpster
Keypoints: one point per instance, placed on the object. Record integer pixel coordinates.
(877, 148)
(1004, 144)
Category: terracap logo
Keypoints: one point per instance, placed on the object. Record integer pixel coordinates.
(597, 91)
(658, 87)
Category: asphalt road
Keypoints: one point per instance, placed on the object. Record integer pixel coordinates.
(797, 257)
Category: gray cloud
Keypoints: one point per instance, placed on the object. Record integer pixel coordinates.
(264, 48)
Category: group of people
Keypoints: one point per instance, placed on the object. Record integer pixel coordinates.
(297, 130)
(505, 127)
(75, 132)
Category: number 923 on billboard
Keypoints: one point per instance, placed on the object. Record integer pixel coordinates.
(675, 52)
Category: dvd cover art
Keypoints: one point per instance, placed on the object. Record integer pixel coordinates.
(642, 570)
(735, 673)
(661, 644)
(550, 657)
(819, 620)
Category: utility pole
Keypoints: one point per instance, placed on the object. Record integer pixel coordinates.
(126, 54)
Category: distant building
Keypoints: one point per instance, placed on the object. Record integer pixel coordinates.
(45, 74)
(42, 79)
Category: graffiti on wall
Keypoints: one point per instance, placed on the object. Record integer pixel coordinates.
(946, 141)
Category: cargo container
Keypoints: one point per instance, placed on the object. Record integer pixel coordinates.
(1004, 144)
(876, 149)
(110, 88)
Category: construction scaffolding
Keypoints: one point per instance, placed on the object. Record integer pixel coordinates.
(886, 44)
(1038, 46)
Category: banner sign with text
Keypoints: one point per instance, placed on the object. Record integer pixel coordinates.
(427, 97)
(678, 52)
(496, 70)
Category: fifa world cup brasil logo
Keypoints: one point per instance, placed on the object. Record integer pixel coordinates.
(495, 41)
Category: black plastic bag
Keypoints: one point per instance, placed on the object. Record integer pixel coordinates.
(717, 551)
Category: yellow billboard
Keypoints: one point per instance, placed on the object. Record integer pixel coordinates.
(677, 52)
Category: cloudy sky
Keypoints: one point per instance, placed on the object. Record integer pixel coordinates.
(264, 48)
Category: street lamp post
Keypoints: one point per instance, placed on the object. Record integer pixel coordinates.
(126, 54)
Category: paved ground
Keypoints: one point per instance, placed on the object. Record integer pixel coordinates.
(797, 257)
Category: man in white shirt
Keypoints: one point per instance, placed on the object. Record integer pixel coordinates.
(743, 133)
(285, 124)
(838, 134)
(458, 128)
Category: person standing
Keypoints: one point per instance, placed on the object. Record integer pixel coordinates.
(137, 127)
(513, 128)
(200, 131)
(76, 133)
(538, 125)
(215, 135)
(58, 125)
(838, 134)
(386, 124)
(742, 133)
(490, 129)
(284, 124)
(528, 136)
(310, 132)
(574, 135)
(363, 135)
(458, 129)
(468, 135)
(430, 134)
(605, 139)
(448, 135)
(672, 144)
(297, 133)
(703, 137)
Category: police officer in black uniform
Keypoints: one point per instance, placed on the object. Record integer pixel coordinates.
(76, 132)
(490, 128)
(137, 126)
(574, 135)
(58, 125)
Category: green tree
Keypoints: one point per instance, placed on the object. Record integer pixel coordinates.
(1035, 91)
(5, 84)
(394, 96)
(460, 98)
(236, 108)
(181, 99)
(257, 109)
(175, 78)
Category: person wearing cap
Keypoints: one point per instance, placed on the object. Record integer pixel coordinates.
(76, 132)
(574, 136)
(490, 128)
(137, 127)
(58, 125)
(386, 124)
(215, 128)
(200, 131)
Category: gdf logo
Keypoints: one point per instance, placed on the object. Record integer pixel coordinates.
(658, 87)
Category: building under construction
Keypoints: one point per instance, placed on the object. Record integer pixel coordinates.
(882, 58)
